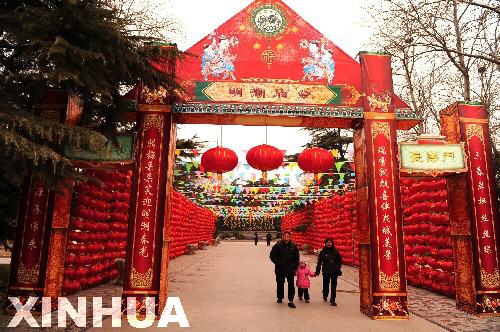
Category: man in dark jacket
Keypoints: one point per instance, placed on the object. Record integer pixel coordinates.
(285, 257)
(331, 262)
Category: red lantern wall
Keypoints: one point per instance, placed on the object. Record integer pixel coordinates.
(190, 224)
(98, 229)
(99, 225)
(428, 242)
(333, 217)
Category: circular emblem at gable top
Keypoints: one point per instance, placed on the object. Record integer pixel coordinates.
(268, 20)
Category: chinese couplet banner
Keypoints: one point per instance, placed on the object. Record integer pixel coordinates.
(30, 250)
(485, 215)
(144, 249)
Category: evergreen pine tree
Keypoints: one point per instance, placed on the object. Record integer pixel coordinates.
(86, 47)
(95, 49)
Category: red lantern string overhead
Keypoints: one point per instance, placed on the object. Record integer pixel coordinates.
(219, 160)
(315, 160)
(265, 158)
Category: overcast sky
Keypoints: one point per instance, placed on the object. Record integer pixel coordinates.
(340, 21)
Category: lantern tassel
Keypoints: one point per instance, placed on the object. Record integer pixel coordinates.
(264, 176)
(219, 177)
(317, 176)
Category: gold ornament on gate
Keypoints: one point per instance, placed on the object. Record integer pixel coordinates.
(141, 280)
(154, 96)
(381, 128)
(490, 280)
(475, 130)
(380, 101)
(390, 282)
(28, 275)
(153, 121)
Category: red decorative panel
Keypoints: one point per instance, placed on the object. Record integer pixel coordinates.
(28, 265)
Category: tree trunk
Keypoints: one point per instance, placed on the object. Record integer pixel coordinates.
(461, 59)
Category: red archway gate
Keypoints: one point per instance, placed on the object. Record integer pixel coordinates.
(267, 66)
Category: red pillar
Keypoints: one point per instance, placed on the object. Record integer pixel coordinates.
(473, 120)
(144, 248)
(387, 265)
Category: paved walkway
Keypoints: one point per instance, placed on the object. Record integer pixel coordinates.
(231, 288)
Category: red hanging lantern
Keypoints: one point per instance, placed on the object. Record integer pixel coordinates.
(219, 160)
(315, 160)
(265, 158)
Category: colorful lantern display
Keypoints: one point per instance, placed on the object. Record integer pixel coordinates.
(219, 160)
(265, 158)
(315, 160)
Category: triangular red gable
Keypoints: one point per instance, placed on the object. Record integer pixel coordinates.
(268, 42)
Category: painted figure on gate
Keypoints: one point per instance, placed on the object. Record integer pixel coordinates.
(319, 64)
(217, 59)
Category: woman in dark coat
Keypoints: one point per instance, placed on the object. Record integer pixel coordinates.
(255, 238)
(330, 262)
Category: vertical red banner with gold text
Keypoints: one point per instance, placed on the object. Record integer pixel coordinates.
(388, 283)
(385, 205)
(475, 133)
(30, 251)
(143, 255)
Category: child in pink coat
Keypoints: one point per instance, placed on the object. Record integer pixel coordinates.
(303, 283)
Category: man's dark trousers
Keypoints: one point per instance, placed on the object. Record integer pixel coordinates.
(280, 285)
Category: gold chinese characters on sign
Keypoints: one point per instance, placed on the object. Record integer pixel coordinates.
(432, 159)
(271, 92)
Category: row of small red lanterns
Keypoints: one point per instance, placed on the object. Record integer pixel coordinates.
(98, 230)
(266, 158)
(190, 224)
(428, 245)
